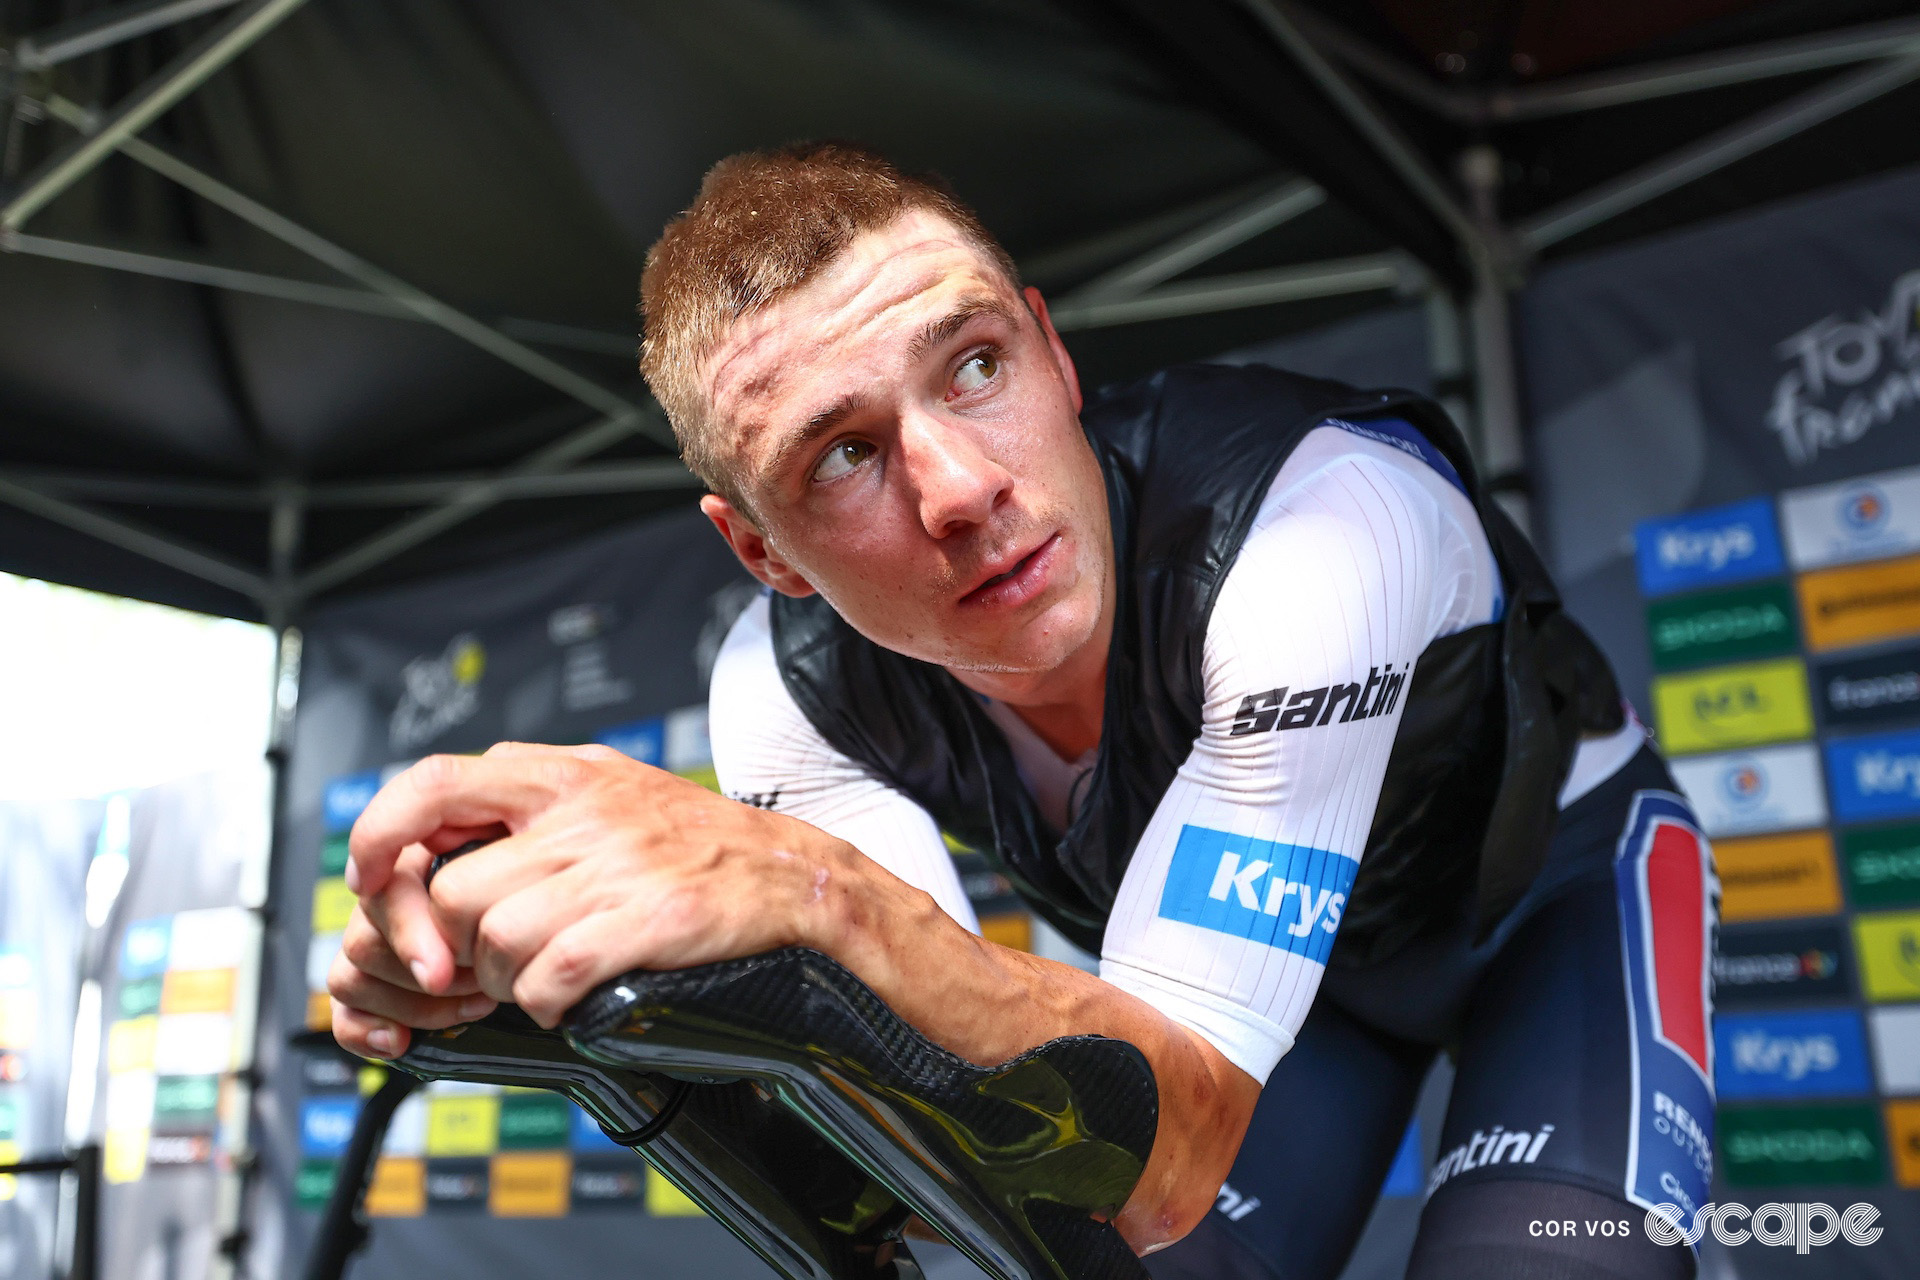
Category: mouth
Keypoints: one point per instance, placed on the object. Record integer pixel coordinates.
(1019, 581)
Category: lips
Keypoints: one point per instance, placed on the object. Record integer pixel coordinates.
(1018, 581)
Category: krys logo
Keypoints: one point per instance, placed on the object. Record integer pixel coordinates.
(439, 691)
(1845, 377)
(1710, 549)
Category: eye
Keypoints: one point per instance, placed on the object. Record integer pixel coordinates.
(976, 372)
(841, 459)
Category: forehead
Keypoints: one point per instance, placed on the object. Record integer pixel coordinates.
(846, 320)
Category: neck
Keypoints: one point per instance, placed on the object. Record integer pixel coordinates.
(1064, 704)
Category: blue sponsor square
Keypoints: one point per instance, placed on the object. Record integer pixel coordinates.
(1874, 777)
(644, 740)
(326, 1125)
(1407, 1175)
(1708, 548)
(1818, 1053)
(1287, 896)
(588, 1137)
(144, 948)
(345, 799)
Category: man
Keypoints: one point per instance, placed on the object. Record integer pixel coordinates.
(1224, 667)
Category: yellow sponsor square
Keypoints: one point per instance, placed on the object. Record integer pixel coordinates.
(197, 991)
(332, 904)
(398, 1189)
(9, 1154)
(1773, 877)
(319, 1011)
(530, 1184)
(19, 1018)
(130, 1043)
(123, 1157)
(463, 1125)
(664, 1200)
(1860, 604)
(1903, 1137)
(1745, 705)
(1889, 947)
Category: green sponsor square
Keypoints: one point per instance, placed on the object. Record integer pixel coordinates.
(534, 1120)
(1774, 1146)
(333, 856)
(9, 1119)
(314, 1183)
(1883, 866)
(180, 1101)
(140, 997)
(1722, 626)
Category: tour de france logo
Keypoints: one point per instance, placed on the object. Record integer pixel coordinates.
(1863, 510)
(1745, 784)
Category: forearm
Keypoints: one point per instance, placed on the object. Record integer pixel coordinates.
(987, 1003)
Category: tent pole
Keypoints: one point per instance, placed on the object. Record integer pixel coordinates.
(175, 81)
(1398, 153)
(131, 537)
(1716, 151)
(1242, 289)
(351, 265)
(1496, 377)
(1202, 244)
(97, 31)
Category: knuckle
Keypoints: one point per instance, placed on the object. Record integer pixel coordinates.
(435, 773)
(496, 937)
(599, 753)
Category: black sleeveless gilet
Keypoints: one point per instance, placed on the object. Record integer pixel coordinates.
(1493, 714)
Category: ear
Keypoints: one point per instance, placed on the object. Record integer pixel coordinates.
(1038, 305)
(748, 543)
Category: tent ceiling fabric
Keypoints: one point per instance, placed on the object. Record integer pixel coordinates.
(515, 160)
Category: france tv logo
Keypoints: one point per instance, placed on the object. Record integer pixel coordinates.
(1708, 548)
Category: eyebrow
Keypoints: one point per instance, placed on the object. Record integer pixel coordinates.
(816, 426)
(931, 335)
(935, 332)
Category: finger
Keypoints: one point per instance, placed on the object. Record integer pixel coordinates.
(573, 962)
(366, 949)
(465, 890)
(514, 928)
(367, 1035)
(370, 997)
(403, 915)
(452, 791)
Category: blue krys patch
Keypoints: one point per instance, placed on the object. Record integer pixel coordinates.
(1397, 433)
(1283, 895)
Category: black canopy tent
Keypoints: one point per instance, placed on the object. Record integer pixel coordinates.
(301, 297)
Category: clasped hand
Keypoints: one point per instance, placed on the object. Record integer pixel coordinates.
(599, 865)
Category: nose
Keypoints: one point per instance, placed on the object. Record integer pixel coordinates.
(957, 483)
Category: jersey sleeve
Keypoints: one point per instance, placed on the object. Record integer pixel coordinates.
(768, 754)
(1232, 900)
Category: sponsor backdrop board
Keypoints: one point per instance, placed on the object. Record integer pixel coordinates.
(1727, 464)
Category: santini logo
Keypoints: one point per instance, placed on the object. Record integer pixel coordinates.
(1274, 710)
(1287, 896)
(1706, 548)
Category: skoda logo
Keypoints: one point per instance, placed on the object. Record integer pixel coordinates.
(1863, 510)
(1745, 784)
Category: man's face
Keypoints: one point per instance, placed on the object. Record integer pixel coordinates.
(907, 433)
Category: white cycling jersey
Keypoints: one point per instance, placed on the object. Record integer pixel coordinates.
(1365, 550)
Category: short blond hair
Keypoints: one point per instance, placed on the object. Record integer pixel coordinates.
(762, 225)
